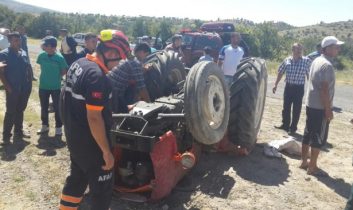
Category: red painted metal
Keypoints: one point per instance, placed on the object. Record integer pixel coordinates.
(167, 170)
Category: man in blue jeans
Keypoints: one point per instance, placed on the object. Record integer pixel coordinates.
(16, 77)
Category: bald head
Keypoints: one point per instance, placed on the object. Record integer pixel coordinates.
(297, 50)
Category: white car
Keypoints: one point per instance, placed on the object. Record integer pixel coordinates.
(4, 43)
(79, 38)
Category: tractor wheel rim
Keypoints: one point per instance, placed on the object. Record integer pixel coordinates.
(214, 102)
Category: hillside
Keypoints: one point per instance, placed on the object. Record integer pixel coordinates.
(22, 7)
(342, 30)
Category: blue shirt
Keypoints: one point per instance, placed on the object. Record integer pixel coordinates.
(314, 55)
(18, 72)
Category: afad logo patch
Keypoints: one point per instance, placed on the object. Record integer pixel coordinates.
(97, 95)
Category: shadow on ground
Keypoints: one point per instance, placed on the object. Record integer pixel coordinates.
(9, 152)
(339, 186)
(337, 109)
(50, 144)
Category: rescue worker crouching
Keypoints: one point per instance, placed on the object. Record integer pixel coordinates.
(86, 114)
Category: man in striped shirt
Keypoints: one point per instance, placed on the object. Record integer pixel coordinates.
(128, 85)
(296, 68)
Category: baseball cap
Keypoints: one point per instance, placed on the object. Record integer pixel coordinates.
(49, 40)
(330, 40)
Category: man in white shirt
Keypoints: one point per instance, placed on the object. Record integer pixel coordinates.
(229, 57)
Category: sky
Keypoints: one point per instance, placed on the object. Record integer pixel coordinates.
(294, 12)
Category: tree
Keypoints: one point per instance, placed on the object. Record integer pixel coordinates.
(139, 28)
(269, 40)
(23, 19)
(7, 17)
(166, 30)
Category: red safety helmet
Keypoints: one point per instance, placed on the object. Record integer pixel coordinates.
(117, 40)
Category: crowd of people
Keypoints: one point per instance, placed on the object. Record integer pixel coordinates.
(106, 67)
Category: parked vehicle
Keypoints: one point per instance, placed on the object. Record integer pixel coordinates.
(79, 38)
(215, 35)
(195, 42)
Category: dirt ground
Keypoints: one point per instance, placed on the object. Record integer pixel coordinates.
(32, 172)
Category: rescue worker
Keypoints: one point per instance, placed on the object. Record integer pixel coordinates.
(87, 116)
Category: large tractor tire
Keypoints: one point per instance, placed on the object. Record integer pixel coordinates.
(165, 73)
(206, 101)
(247, 101)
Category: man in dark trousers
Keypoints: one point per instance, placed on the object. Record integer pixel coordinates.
(86, 115)
(296, 68)
(68, 47)
(16, 77)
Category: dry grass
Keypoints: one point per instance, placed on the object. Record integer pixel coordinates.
(32, 41)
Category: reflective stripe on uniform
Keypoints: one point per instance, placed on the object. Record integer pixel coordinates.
(74, 95)
(71, 199)
(94, 108)
(63, 207)
(69, 202)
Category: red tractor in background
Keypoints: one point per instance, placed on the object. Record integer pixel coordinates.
(214, 35)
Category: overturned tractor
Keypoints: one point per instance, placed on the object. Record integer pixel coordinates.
(157, 143)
